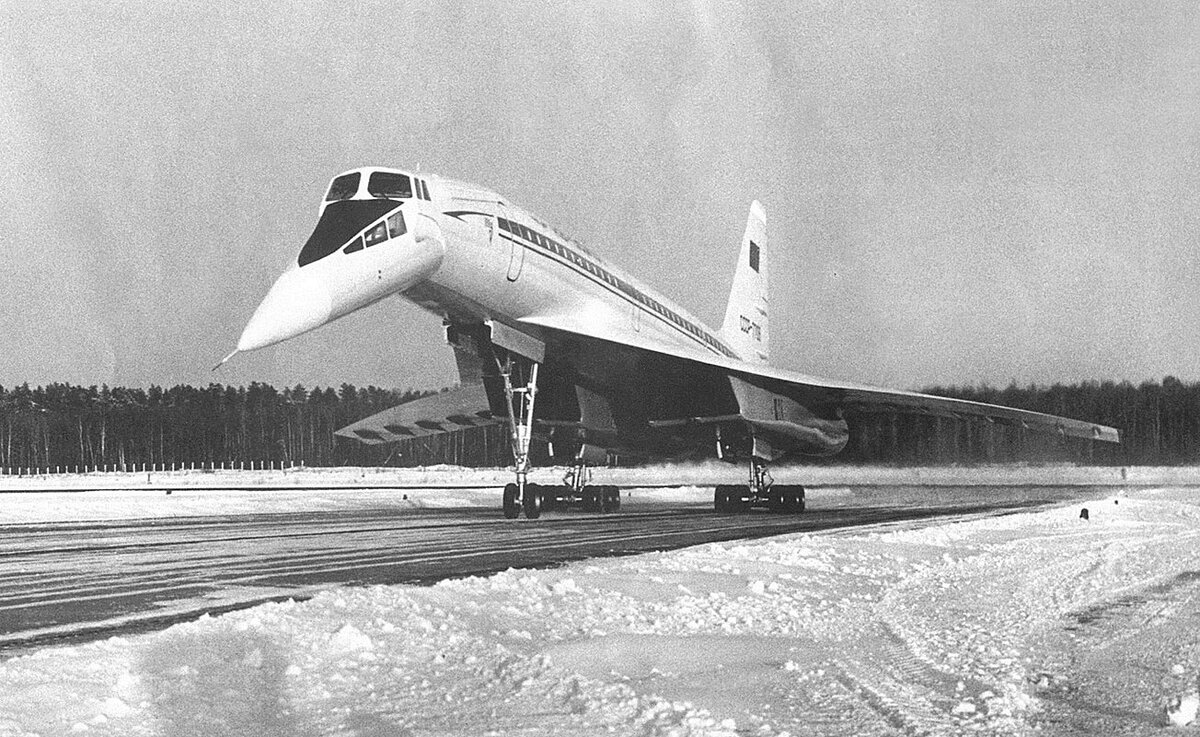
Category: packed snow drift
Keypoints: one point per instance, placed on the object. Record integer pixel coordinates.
(982, 624)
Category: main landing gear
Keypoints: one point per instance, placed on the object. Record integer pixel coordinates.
(762, 491)
(527, 497)
(593, 498)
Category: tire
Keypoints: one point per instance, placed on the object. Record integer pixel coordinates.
(779, 499)
(741, 499)
(549, 497)
(798, 501)
(532, 501)
(726, 498)
(616, 499)
(793, 497)
(512, 505)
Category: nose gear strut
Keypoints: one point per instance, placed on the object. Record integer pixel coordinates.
(519, 401)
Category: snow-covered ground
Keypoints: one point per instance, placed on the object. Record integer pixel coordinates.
(666, 475)
(1012, 624)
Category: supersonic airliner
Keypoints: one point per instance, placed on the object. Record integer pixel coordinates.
(557, 343)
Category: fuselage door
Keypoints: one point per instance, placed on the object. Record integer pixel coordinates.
(510, 237)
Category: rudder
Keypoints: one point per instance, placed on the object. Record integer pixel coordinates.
(745, 327)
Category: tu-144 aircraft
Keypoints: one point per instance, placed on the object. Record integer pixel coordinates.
(558, 344)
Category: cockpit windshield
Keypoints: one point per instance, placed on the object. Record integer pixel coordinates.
(340, 222)
(389, 185)
(344, 187)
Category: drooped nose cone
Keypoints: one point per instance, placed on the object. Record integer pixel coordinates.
(297, 303)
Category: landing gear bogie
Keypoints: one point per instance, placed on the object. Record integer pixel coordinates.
(760, 492)
(598, 498)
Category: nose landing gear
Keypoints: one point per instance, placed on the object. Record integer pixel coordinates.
(521, 495)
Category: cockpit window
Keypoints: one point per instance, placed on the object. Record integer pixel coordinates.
(392, 186)
(378, 234)
(395, 223)
(340, 222)
(355, 245)
(344, 187)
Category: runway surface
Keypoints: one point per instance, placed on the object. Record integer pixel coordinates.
(62, 582)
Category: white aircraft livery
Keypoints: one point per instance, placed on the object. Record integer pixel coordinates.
(560, 345)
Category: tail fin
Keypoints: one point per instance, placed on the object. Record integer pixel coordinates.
(745, 327)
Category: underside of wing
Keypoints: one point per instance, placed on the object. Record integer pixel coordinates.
(884, 400)
(455, 409)
(764, 393)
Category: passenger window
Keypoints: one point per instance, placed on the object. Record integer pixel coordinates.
(395, 224)
(378, 234)
(355, 245)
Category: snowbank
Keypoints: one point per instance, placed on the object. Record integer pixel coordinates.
(671, 475)
(941, 628)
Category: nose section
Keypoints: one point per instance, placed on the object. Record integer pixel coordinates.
(296, 303)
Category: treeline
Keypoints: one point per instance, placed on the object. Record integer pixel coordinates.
(67, 426)
(71, 427)
(1159, 425)
(1159, 422)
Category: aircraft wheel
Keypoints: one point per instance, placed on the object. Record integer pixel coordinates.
(549, 497)
(797, 505)
(512, 505)
(720, 499)
(532, 501)
(793, 499)
(610, 498)
(740, 499)
(728, 499)
(779, 500)
(616, 498)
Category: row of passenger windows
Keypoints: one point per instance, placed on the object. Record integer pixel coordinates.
(552, 245)
(393, 227)
(384, 184)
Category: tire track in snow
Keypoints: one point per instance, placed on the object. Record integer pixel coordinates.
(76, 581)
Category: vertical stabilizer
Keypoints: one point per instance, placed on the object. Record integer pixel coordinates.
(745, 327)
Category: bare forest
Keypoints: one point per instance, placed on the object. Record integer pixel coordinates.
(66, 428)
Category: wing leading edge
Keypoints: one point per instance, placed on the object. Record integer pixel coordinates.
(842, 393)
(466, 406)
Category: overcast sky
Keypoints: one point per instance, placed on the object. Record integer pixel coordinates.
(956, 192)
